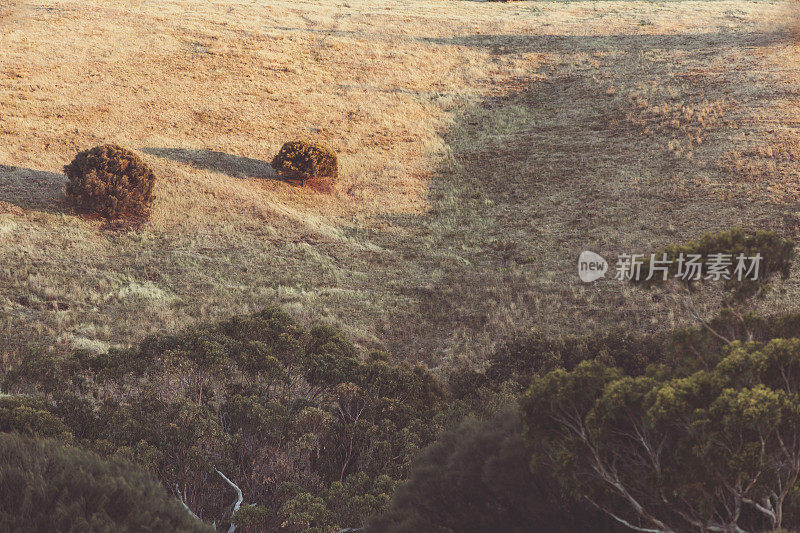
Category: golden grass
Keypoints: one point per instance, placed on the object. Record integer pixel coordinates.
(482, 147)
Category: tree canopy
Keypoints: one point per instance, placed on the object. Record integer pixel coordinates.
(717, 449)
(46, 486)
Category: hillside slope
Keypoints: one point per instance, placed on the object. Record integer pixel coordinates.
(483, 147)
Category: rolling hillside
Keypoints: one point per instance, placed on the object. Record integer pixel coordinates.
(483, 146)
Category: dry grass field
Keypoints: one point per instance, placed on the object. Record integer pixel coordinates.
(482, 147)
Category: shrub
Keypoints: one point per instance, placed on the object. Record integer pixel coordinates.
(522, 359)
(251, 516)
(777, 255)
(45, 486)
(31, 416)
(110, 181)
(306, 161)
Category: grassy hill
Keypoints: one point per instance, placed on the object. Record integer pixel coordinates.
(483, 146)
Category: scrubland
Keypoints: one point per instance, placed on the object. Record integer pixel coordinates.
(482, 147)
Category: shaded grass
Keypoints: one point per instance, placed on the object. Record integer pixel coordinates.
(32, 189)
(483, 147)
(216, 161)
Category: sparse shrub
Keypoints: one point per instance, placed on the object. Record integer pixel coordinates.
(110, 181)
(302, 160)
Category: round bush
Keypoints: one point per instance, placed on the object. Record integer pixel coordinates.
(110, 181)
(305, 160)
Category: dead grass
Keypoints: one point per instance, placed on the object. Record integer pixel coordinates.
(482, 147)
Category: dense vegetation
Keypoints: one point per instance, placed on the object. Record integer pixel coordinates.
(715, 450)
(476, 478)
(606, 447)
(110, 181)
(313, 435)
(318, 438)
(45, 486)
(260, 424)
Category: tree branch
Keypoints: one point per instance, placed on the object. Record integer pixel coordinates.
(239, 499)
(696, 315)
(180, 499)
(625, 522)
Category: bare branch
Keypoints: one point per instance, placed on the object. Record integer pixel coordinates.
(180, 499)
(239, 498)
(696, 315)
(764, 510)
(625, 522)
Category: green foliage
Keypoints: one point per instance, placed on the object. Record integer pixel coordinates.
(305, 512)
(522, 359)
(331, 358)
(359, 497)
(697, 348)
(45, 486)
(319, 437)
(665, 450)
(39, 370)
(251, 516)
(110, 181)
(776, 254)
(305, 160)
(31, 416)
(476, 479)
(262, 399)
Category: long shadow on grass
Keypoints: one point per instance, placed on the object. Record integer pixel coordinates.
(32, 189)
(708, 42)
(235, 166)
(555, 164)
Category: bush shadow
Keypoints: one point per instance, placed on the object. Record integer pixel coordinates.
(233, 165)
(27, 188)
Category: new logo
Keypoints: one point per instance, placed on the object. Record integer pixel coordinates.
(591, 266)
